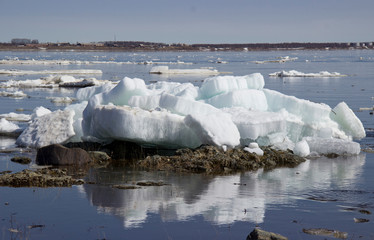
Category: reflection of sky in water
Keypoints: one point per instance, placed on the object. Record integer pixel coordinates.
(6, 143)
(222, 199)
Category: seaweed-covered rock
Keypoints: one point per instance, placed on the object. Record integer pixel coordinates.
(99, 158)
(258, 234)
(21, 160)
(212, 160)
(39, 178)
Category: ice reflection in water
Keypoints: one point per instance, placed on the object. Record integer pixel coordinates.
(221, 199)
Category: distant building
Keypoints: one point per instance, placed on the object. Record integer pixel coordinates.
(20, 41)
(24, 41)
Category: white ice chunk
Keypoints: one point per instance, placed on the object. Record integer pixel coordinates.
(86, 93)
(224, 84)
(16, 94)
(215, 129)
(61, 100)
(55, 71)
(150, 102)
(302, 148)
(7, 127)
(124, 90)
(247, 98)
(78, 118)
(56, 127)
(185, 90)
(348, 121)
(253, 145)
(333, 145)
(308, 111)
(294, 73)
(166, 70)
(137, 125)
(254, 124)
(183, 106)
(174, 104)
(277, 141)
(53, 82)
(40, 111)
(254, 148)
(18, 117)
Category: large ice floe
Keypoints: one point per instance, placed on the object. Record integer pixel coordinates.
(63, 71)
(225, 111)
(197, 71)
(54, 81)
(294, 73)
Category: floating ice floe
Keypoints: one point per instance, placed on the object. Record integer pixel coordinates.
(8, 128)
(198, 71)
(225, 111)
(78, 62)
(54, 82)
(16, 117)
(46, 72)
(280, 60)
(63, 100)
(294, 73)
(16, 94)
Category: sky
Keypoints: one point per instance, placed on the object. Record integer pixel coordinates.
(192, 21)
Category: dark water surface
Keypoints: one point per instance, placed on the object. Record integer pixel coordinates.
(320, 193)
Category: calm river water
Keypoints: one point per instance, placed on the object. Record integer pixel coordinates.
(320, 193)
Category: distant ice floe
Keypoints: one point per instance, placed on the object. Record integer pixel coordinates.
(198, 71)
(46, 72)
(55, 82)
(77, 62)
(225, 111)
(17, 117)
(279, 60)
(62, 100)
(294, 73)
(16, 94)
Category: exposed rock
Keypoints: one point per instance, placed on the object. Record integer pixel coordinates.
(39, 178)
(361, 220)
(58, 155)
(258, 234)
(127, 187)
(212, 160)
(326, 232)
(99, 158)
(21, 160)
(364, 211)
(150, 183)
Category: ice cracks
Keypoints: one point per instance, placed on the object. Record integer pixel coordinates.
(225, 111)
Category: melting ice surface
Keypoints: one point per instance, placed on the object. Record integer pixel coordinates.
(225, 111)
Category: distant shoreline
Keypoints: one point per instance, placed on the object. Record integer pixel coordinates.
(128, 46)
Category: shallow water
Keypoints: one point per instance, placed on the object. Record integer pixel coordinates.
(320, 193)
